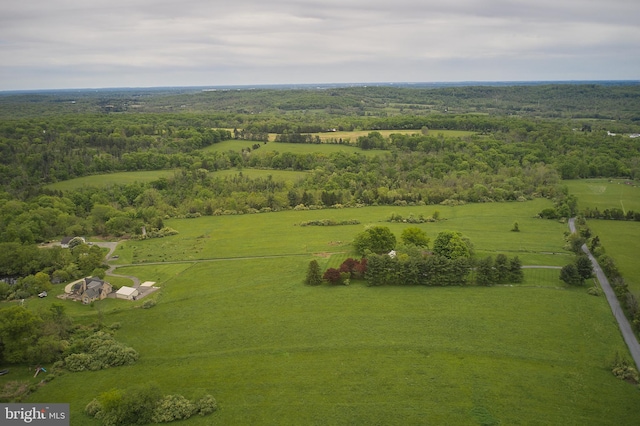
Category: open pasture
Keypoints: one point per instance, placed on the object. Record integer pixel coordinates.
(295, 148)
(354, 135)
(234, 319)
(120, 178)
(279, 175)
(606, 193)
(488, 226)
(620, 240)
(274, 351)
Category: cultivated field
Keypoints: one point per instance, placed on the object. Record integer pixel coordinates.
(234, 318)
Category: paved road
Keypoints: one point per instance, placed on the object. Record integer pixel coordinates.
(618, 313)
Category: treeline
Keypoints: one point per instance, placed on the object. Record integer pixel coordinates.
(613, 213)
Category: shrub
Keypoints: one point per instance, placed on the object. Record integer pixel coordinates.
(78, 362)
(173, 407)
(594, 291)
(148, 304)
(207, 405)
(623, 369)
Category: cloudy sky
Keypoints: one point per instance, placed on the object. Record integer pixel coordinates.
(48, 44)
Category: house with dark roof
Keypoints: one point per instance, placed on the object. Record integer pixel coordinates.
(90, 289)
(64, 243)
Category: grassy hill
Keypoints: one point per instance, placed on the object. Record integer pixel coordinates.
(234, 318)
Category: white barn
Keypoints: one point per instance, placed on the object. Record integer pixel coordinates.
(128, 293)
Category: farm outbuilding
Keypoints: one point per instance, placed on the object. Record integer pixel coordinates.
(128, 293)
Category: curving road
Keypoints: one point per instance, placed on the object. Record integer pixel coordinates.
(112, 248)
(618, 313)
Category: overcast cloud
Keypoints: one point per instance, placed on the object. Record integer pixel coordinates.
(47, 44)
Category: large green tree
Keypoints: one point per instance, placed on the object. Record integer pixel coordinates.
(377, 239)
(452, 245)
(415, 236)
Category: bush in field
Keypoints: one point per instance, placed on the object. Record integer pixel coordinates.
(100, 351)
(145, 404)
(206, 405)
(623, 369)
(332, 276)
(173, 407)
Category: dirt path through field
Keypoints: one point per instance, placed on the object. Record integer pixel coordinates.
(618, 313)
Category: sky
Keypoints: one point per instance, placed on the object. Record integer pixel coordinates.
(60, 44)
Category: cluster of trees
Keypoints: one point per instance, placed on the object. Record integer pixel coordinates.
(34, 337)
(49, 336)
(145, 404)
(449, 262)
(614, 213)
(577, 272)
(29, 270)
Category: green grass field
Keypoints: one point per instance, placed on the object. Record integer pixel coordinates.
(295, 148)
(606, 193)
(618, 238)
(233, 318)
(120, 178)
(354, 135)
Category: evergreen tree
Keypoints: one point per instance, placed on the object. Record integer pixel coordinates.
(584, 267)
(501, 266)
(569, 274)
(485, 274)
(516, 274)
(314, 277)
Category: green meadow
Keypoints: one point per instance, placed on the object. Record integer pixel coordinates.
(354, 135)
(606, 193)
(120, 178)
(294, 148)
(234, 319)
(618, 238)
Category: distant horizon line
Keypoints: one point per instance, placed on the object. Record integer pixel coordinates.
(427, 84)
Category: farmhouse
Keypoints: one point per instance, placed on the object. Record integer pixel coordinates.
(64, 243)
(90, 289)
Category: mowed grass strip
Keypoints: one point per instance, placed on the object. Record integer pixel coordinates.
(274, 351)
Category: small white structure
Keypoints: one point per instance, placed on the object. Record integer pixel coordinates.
(147, 284)
(128, 293)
